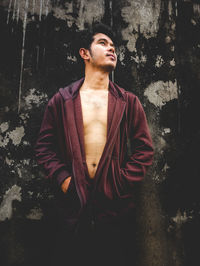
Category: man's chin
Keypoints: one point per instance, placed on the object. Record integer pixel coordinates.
(109, 68)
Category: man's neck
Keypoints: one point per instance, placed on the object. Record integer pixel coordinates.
(95, 81)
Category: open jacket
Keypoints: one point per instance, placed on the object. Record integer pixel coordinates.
(60, 150)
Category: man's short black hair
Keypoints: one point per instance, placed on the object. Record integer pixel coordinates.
(87, 36)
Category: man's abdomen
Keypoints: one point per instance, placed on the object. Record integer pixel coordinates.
(95, 141)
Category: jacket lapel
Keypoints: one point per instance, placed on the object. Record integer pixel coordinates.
(79, 123)
(77, 163)
(116, 107)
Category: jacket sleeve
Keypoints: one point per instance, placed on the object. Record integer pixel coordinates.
(46, 149)
(141, 144)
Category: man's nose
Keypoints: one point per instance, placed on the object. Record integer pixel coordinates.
(111, 49)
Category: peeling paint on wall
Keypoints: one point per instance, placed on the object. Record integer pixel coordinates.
(4, 126)
(24, 116)
(39, 7)
(159, 61)
(121, 54)
(160, 144)
(9, 161)
(166, 131)
(165, 167)
(181, 218)
(90, 11)
(21, 167)
(172, 62)
(159, 93)
(34, 98)
(15, 136)
(65, 13)
(78, 13)
(14, 193)
(3, 141)
(35, 214)
(142, 17)
(19, 172)
(142, 59)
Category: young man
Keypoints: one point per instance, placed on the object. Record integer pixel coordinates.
(82, 145)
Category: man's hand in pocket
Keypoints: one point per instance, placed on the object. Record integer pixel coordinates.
(65, 184)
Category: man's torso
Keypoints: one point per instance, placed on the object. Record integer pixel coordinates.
(94, 111)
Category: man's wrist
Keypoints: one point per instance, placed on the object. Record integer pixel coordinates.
(68, 177)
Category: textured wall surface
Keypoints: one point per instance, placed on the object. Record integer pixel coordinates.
(158, 60)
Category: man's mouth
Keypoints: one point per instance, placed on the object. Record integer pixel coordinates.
(112, 56)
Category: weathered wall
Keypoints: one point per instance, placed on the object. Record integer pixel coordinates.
(158, 60)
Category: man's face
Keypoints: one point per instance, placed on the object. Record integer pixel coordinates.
(102, 53)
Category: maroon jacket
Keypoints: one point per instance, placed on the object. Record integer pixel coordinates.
(60, 150)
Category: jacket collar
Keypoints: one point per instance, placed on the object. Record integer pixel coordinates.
(71, 91)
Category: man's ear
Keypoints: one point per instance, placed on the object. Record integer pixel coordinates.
(84, 53)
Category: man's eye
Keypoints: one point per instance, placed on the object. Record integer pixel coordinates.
(102, 43)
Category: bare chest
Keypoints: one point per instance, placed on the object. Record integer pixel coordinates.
(94, 109)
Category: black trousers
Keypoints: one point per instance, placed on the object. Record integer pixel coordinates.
(99, 244)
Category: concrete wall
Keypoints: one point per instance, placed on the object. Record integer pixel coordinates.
(158, 59)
